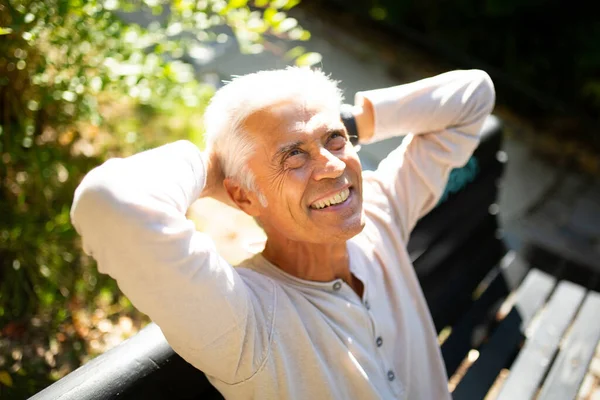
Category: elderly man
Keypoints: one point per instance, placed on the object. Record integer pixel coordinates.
(331, 309)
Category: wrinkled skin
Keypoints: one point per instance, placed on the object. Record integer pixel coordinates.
(303, 155)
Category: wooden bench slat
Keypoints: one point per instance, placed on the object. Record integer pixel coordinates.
(507, 277)
(532, 295)
(572, 362)
(496, 353)
(513, 269)
(535, 357)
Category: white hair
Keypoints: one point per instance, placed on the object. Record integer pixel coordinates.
(245, 95)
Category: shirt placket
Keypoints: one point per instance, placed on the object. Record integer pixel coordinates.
(378, 313)
(374, 309)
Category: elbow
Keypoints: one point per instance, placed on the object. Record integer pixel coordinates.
(93, 198)
(484, 93)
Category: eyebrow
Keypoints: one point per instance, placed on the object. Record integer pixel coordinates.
(287, 148)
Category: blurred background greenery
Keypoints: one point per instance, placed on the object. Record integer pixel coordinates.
(79, 84)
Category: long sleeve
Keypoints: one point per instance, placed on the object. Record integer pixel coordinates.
(131, 215)
(442, 117)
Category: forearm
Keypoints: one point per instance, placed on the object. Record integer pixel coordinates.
(458, 99)
(140, 189)
(442, 119)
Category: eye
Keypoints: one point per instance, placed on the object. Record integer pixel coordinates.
(295, 152)
(295, 158)
(337, 140)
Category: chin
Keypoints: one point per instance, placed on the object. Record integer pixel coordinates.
(349, 230)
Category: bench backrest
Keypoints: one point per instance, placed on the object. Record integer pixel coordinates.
(453, 248)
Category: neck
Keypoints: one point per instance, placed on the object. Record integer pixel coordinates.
(309, 261)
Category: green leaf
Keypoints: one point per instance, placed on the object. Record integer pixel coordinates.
(378, 13)
(294, 53)
(305, 36)
(269, 15)
(287, 24)
(6, 379)
(290, 4)
(237, 3)
(308, 59)
(5, 31)
(69, 96)
(299, 34)
(278, 3)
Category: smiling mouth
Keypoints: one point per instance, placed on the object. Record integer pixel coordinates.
(337, 198)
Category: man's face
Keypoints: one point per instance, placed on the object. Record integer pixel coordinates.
(309, 173)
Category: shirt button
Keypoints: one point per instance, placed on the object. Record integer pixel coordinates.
(379, 341)
(337, 286)
(367, 305)
(391, 375)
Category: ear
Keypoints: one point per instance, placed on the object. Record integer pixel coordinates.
(244, 199)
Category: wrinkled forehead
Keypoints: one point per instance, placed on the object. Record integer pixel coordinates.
(289, 119)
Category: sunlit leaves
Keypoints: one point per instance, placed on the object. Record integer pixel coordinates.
(286, 25)
(232, 4)
(284, 4)
(378, 13)
(111, 5)
(273, 16)
(308, 59)
(294, 53)
(5, 379)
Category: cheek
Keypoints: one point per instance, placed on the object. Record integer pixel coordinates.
(290, 192)
(295, 188)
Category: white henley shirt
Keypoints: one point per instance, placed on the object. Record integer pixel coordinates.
(258, 332)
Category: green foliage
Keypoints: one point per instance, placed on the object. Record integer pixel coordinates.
(79, 84)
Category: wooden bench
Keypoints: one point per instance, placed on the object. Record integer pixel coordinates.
(534, 315)
(542, 338)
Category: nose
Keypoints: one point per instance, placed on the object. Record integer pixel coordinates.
(328, 166)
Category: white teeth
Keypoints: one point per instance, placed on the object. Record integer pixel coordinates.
(335, 199)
